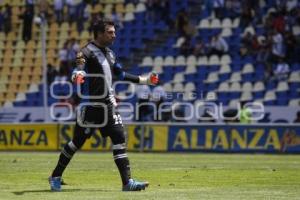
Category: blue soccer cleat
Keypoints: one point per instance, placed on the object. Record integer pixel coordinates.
(133, 185)
(55, 183)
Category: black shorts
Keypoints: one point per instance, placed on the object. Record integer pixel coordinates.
(107, 120)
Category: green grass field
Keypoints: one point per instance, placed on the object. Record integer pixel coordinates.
(171, 176)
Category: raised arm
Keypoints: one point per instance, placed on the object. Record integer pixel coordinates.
(78, 73)
(150, 79)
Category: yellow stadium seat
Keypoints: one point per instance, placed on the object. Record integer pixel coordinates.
(9, 53)
(27, 70)
(53, 36)
(85, 35)
(97, 8)
(5, 71)
(107, 9)
(11, 36)
(129, 8)
(38, 53)
(29, 54)
(31, 44)
(11, 95)
(52, 44)
(36, 79)
(64, 35)
(7, 62)
(2, 36)
(28, 62)
(74, 34)
(120, 8)
(24, 86)
(17, 62)
(64, 26)
(54, 27)
(16, 71)
(12, 87)
(2, 98)
(73, 27)
(51, 53)
(20, 45)
(37, 71)
(19, 53)
(3, 78)
(1, 45)
(3, 88)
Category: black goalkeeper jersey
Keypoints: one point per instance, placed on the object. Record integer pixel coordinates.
(100, 73)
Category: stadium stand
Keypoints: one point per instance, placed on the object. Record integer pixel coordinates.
(147, 40)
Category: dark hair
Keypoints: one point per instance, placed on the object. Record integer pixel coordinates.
(100, 24)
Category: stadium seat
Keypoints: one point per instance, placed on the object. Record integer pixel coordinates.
(169, 61)
(147, 61)
(227, 23)
(168, 87)
(180, 60)
(178, 78)
(213, 60)
(235, 87)
(191, 69)
(190, 87)
(202, 60)
(178, 87)
(246, 96)
(235, 77)
(215, 23)
(212, 77)
(247, 87)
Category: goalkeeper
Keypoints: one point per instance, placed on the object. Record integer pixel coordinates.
(96, 68)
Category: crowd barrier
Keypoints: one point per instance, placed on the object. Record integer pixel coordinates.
(229, 138)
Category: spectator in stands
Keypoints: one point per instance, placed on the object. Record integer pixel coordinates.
(291, 47)
(150, 14)
(27, 17)
(182, 23)
(218, 6)
(7, 18)
(82, 15)
(62, 75)
(63, 56)
(218, 45)
(246, 16)
(250, 44)
(282, 70)
(73, 48)
(94, 18)
(165, 8)
(186, 48)
(58, 9)
(30, 4)
(117, 18)
(297, 120)
(44, 9)
(278, 22)
(278, 48)
(263, 53)
(234, 8)
(51, 73)
(71, 10)
(200, 48)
